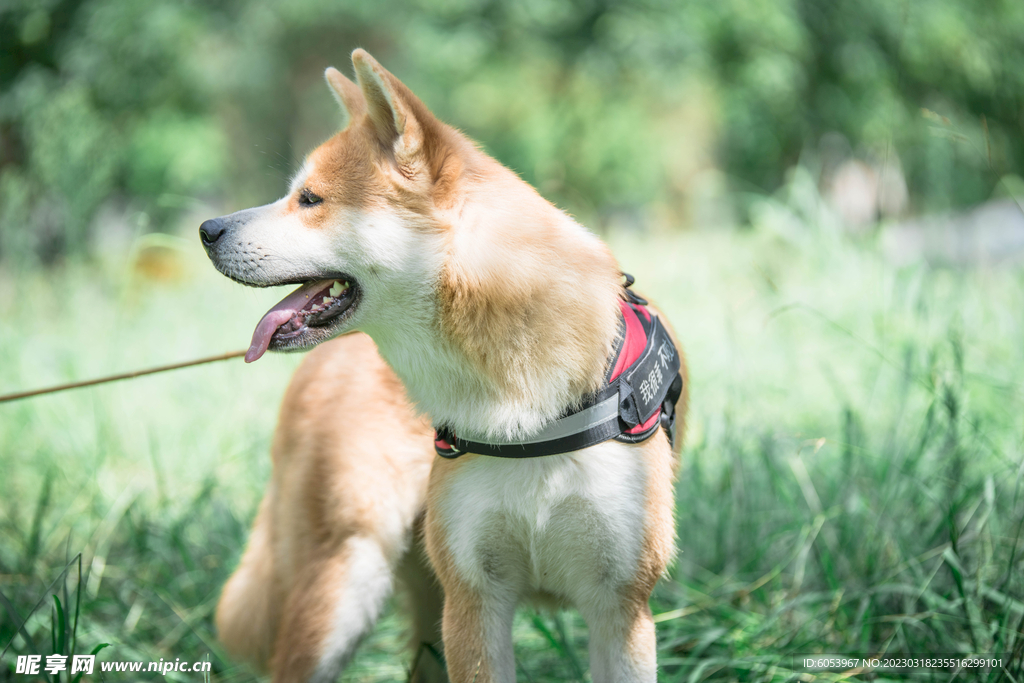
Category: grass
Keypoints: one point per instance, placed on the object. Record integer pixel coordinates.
(851, 482)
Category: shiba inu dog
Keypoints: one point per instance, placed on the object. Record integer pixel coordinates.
(495, 318)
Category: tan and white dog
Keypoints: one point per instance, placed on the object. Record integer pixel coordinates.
(496, 312)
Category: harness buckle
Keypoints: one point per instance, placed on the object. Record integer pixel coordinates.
(630, 294)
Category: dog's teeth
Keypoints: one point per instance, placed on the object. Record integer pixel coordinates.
(328, 301)
(336, 288)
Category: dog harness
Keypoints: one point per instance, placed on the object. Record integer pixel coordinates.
(639, 394)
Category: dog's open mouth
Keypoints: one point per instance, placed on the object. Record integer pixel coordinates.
(304, 317)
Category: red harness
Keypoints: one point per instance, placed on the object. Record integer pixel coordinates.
(639, 394)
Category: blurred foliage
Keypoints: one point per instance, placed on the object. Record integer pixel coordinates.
(605, 106)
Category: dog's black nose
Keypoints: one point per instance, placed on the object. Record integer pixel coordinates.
(211, 230)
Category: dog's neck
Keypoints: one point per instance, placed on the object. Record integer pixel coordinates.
(517, 319)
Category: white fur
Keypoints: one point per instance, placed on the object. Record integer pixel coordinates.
(270, 245)
(577, 519)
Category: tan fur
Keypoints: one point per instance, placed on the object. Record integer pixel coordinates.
(510, 317)
(249, 606)
(494, 311)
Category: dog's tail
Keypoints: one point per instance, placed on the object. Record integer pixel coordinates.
(247, 612)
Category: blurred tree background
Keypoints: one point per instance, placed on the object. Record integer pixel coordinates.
(618, 111)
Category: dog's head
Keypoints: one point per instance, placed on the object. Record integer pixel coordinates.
(362, 223)
(476, 289)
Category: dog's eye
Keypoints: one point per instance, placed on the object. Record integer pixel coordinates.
(307, 198)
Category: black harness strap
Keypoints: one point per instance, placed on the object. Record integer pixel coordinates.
(650, 384)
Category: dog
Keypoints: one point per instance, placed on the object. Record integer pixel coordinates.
(478, 320)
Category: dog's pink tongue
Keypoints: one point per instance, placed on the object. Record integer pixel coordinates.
(285, 310)
(274, 318)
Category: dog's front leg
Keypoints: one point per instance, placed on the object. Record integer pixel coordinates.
(477, 631)
(623, 647)
(481, 590)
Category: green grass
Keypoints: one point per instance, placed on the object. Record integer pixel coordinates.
(851, 482)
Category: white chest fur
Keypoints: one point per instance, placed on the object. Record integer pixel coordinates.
(566, 525)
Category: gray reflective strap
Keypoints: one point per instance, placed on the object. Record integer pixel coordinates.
(587, 419)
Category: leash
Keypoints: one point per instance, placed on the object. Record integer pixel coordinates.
(114, 378)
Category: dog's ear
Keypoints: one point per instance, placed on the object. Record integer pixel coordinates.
(347, 93)
(400, 120)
